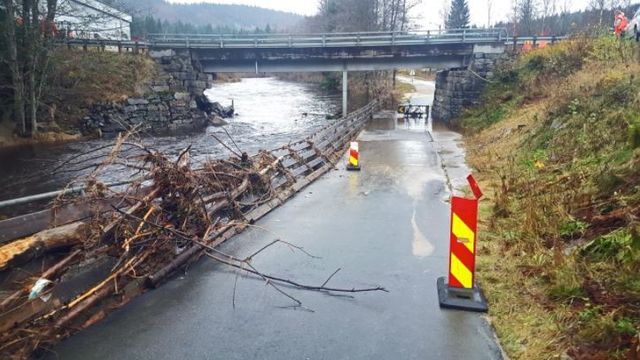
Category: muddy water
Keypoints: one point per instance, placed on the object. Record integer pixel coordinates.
(271, 112)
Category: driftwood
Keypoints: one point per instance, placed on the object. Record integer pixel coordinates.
(154, 231)
(23, 250)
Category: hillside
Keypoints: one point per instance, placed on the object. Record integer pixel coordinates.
(217, 15)
(557, 142)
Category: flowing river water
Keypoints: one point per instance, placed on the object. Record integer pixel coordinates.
(270, 113)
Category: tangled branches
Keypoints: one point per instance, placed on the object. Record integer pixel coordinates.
(167, 217)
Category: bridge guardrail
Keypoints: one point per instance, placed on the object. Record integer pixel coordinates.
(328, 39)
(219, 41)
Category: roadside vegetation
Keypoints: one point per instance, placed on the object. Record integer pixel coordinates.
(77, 80)
(557, 144)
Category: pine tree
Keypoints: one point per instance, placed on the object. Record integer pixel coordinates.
(458, 15)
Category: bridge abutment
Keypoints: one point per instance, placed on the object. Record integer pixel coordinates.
(460, 88)
(168, 103)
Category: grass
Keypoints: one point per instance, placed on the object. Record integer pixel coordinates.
(556, 143)
(81, 79)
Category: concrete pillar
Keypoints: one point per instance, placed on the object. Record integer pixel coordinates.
(345, 87)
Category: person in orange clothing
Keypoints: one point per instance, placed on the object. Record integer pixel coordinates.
(620, 24)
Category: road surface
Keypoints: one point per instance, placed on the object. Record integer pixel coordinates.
(386, 225)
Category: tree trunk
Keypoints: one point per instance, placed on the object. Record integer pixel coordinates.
(24, 250)
(16, 71)
(35, 40)
(52, 6)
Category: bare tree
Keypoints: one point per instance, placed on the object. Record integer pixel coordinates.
(14, 66)
(444, 12)
(598, 5)
(548, 8)
(489, 6)
(526, 16)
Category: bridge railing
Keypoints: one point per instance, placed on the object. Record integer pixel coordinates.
(327, 39)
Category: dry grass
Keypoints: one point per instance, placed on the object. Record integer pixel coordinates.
(556, 147)
(80, 79)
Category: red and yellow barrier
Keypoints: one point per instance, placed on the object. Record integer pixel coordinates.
(354, 157)
(464, 226)
(460, 291)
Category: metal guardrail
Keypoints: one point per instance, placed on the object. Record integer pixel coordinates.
(319, 137)
(521, 40)
(355, 39)
(257, 41)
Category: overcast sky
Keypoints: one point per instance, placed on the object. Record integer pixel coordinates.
(426, 14)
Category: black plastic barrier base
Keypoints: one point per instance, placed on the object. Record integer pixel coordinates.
(353, 168)
(461, 299)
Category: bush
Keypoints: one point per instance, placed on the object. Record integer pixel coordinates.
(621, 246)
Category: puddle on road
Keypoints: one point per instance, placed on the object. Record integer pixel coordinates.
(421, 247)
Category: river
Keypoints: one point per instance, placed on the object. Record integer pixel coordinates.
(270, 112)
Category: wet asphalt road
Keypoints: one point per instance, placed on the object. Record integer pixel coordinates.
(386, 225)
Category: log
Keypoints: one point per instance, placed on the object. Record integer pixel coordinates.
(49, 274)
(26, 249)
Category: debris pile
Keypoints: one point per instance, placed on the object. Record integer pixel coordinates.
(65, 268)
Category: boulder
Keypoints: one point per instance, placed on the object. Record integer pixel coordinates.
(182, 96)
(217, 121)
(137, 101)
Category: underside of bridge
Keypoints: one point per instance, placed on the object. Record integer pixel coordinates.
(344, 59)
(333, 59)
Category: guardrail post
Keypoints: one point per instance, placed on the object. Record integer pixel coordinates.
(290, 41)
(188, 44)
(119, 47)
(535, 42)
(393, 39)
(255, 42)
(324, 40)
(135, 48)
(553, 39)
(221, 42)
(85, 45)
(515, 43)
(428, 35)
(464, 35)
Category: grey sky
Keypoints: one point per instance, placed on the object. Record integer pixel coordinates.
(426, 14)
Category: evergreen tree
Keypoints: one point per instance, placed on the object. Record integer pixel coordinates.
(458, 15)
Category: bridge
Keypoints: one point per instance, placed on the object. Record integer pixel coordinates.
(361, 51)
(325, 52)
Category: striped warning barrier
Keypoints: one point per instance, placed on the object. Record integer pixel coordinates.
(354, 157)
(461, 291)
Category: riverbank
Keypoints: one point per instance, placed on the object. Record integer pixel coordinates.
(300, 109)
(556, 145)
(75, 82)
(8, 138)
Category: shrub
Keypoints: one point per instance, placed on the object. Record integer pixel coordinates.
(621, 246)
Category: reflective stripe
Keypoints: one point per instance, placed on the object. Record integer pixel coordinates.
(461, 272)
(353, 161)
(463, 233)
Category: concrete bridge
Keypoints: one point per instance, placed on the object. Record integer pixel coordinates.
(475, 49)
(362, 51)
(335, 51)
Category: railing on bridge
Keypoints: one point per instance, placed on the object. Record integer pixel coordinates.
(243, 41)
(219, 41)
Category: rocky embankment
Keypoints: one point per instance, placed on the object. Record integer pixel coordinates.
(173, 101)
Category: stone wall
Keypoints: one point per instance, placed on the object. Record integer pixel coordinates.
(168, 103)
(459, 88)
